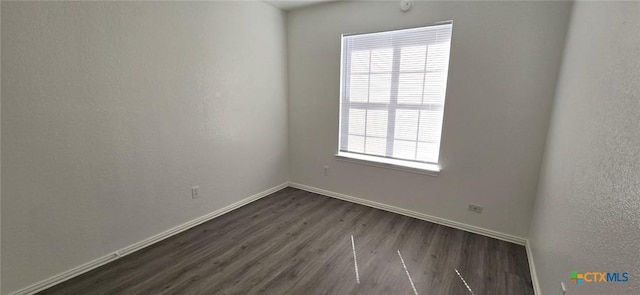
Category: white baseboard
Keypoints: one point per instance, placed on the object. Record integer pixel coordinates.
(69, 274)
(64, 276)
(406, 212)
(532, 270)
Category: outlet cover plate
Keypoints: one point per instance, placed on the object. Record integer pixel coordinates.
(475, 208)
(195, 192)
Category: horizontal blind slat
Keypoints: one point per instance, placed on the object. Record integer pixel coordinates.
(394, 86)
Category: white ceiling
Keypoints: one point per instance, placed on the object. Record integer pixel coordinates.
(293, 4)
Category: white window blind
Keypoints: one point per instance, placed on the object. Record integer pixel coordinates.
(393, 92)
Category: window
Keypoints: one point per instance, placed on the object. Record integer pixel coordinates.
(393, 88)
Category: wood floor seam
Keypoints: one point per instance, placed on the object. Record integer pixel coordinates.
(299, 242)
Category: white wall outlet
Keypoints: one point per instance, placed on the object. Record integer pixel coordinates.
(194, 192)
(563, 289)
(475, 208)
(326, 170)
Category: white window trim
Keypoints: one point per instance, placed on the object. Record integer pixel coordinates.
(408, 166)
(425, 168)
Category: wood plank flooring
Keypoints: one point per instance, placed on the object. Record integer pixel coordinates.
(296, 242)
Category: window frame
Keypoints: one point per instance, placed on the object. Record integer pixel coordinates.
(431, 168)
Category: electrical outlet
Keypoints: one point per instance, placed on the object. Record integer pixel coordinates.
(563, 289)
(326, 170)
(194, 192)
(475, 208)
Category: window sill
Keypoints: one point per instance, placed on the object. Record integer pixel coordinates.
(408, 166)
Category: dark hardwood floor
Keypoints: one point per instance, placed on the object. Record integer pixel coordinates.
(296, 242)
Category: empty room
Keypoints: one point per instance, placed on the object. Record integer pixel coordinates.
(320, 147)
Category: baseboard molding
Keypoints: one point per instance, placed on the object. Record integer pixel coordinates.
(532, 270)
(417, 215)
(59, 278)
(64, 276)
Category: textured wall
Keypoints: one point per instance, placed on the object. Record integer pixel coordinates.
(111, 111)
(504, 62)
(587, 215)
(0, 164)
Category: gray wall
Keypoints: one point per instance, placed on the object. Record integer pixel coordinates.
(504, 62)
(0, 162)
(587, 215)
(112, 111)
